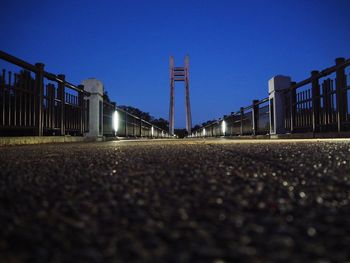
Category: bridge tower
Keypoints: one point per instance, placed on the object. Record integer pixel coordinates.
(180, 74)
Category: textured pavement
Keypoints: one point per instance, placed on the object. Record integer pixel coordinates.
(176, 201)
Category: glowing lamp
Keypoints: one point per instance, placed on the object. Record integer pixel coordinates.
(115, 121)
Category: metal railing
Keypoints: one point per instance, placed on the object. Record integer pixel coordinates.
(250, 120)
(316, 104)
(128, 125)
(36, 102)
(320, 102)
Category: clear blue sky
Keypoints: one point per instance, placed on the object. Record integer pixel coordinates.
(234, 46)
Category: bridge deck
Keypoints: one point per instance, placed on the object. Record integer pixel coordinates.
(175, 200)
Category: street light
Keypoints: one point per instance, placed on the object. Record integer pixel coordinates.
(115, 121)
(223, 127)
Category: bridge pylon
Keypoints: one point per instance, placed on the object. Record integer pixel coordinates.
(180, 74)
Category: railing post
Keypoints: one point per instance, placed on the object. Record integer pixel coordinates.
(315, 91)
(341, 93)
(61, 91)
(278, 85)
(39, 86)
(293, 99)
(95, 88)
(241, 116)
(113, 124)
(126, 124)
(140, 127)
(133, 127)
(81, 107)
(255, 116)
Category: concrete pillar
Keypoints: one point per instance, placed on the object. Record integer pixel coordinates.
(95, 87)
(277, 86)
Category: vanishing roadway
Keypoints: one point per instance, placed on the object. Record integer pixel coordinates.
(176, 201)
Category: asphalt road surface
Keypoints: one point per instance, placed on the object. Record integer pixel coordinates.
(176, 201)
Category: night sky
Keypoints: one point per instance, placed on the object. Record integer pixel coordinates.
(235, 47)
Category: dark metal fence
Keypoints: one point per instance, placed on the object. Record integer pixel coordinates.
(124, 124)
(36, 102)
(320, 102)
(251, 120)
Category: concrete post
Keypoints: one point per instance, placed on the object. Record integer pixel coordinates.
(95, 87)
(277, 85)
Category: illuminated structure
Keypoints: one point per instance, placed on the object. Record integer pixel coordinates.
(180, 74)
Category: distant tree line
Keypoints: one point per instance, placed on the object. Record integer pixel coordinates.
(160, 122)
(198, 126)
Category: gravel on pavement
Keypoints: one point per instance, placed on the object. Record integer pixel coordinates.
(176, 201)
